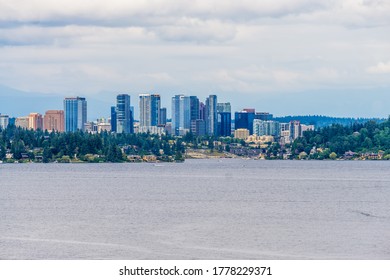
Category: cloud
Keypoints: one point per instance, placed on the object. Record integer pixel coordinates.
(247, 47)
(380, 68)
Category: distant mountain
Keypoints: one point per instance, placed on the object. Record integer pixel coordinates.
(322, 121)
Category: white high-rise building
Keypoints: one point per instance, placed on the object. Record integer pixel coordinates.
(181, 114)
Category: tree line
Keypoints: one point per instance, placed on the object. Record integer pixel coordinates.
(82, 146)
(368, 137)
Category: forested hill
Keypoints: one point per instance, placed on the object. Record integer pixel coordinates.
(322, 121)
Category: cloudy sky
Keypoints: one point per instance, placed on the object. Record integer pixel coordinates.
(285, 56)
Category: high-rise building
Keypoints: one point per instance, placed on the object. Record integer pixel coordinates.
(35, 121)
(261, 128)
(211, 115)
(113, 118)
(198, 127)
(224, 119)
(181, 114)
(264, 116)
(295, 129)
(244, 119)
(194, 103)
(123, 114)
(224, 107)
(202, 111)
(54, 121)
(4, 121)
(75, 113)
(224, 124)
(22, 122)
(149, 107)
(163, 117)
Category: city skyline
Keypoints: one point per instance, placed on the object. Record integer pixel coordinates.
(289, 57)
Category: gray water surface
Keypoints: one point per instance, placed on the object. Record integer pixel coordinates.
(200, 209)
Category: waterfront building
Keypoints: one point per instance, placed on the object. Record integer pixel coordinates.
(22, 122)
(261, 128)
(241, 133)
(54, 121)
(211, 115)
(113, 118)
(35, 121)
(4, 121)
(124, 122)
(181, 114)
(75, 113)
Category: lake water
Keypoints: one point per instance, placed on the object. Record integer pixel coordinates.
(200, 209)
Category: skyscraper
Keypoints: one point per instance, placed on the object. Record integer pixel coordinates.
(54, 121)
(224, 124)
(194, 104)
(75, 113)
(35, 121)
(113, 118)
(244, 119)
(211, 115)
(224, 119)
(224, 107)
(163, 116)
(149, 107)
(123, 114)
(181, 114)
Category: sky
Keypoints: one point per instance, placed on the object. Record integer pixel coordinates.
(288, 57)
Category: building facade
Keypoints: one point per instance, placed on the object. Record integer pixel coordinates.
(113, 118)
(4, 121)
(181, 114)
(35, 121)
(22, 122)
(261, 128)
(244, 119)
(123, 114)
(162, 117)
(241, 133)
(224, 124)
(149, 110)
(211, 115)
(75, 113)
(54, 121)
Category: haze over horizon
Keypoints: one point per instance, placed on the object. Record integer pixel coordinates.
(287, 57)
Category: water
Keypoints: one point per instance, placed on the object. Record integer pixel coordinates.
(200, 209)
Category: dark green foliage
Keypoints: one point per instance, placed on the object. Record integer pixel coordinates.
(101, 147)
(367, 137)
